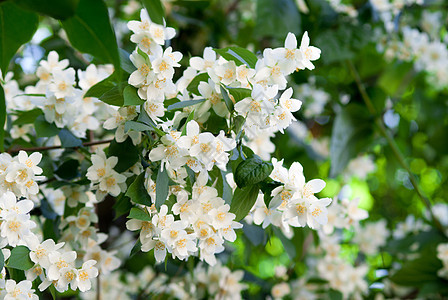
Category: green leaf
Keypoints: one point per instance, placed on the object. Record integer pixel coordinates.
(227, 100)
(352, 133)
(114, 96)
(162, 187)
(136, 248)
(2, 260)
(27, 117)
(143, 117)
(131, 96)
(68, 139)
(43, 128)
(394, 76)
(243, 200)
(239, 55)
(126, 63)
(126, 152)
(239, 93)
(20, 259)
(122, 206)
(287, 243)
(90, 31)
(419, 271)
(17, 27)
(193, 86)
(58, 9)
(101, 87)
(252, 171)
(276, 17)
(190, 117)
(182, 104)
(136, 126)
(155, 10)
(139, 214)
(68, 170)
(2, 119)
(137, 191)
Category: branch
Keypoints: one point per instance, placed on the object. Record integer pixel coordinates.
(390, 140)
(45, 148)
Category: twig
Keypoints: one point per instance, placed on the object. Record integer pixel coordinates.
(45, 148)
(393, 144)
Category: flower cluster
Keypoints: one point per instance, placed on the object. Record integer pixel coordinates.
(442, 254)
(18, 174)
(293, 201)
(103, 176)
(205, 222)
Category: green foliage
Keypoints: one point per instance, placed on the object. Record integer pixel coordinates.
(139, 214)
(252, 171)
(352, 133)
(277, 17)
(137, 191)
(20, 259)
(155, 10)
(127, 154)
(58, 9)
(182, 104)
(43, 128)
(14, 36)
(131, 97)
(2, 118)
(243, 200)
(90, 31)
(239, 55)
(162, 187)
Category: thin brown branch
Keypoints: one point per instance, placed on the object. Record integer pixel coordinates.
(45, 148)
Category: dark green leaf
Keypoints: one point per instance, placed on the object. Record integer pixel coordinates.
(227, 100)
(277, 17)
(137, 191)
(2, 260)
(193, 86)
(27, 117)
(243, 200)
(239, 93)
(136, 126)
(17, 27)
(101, 87)
(255, 234)
(68, 170)
(20, 258)
(114, 96)
(162, 187)
(58, 9)
(419, 271)
(90, 31)
(182, 104)
(2, 117)
(136, 248)
(126, 152)
(239, 55)
(252, 171)
(122, 206)
(155, 10)
(126, 63)
(139, 214)
(131, 96)
(287, 244)
(68, 139)
(190, 117)
(43, 128)
(352, 133)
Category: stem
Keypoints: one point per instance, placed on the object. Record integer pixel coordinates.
(45, 148)
(390, 140)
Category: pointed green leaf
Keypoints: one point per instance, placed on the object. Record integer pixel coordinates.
(243, 200)
(90, 31)
(137, 191)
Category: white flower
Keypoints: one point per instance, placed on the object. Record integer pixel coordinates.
(309, 53)
(21, 290)
(85, 275)
(63, 82)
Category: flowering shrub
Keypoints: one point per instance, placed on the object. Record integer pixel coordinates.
(136, 163)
